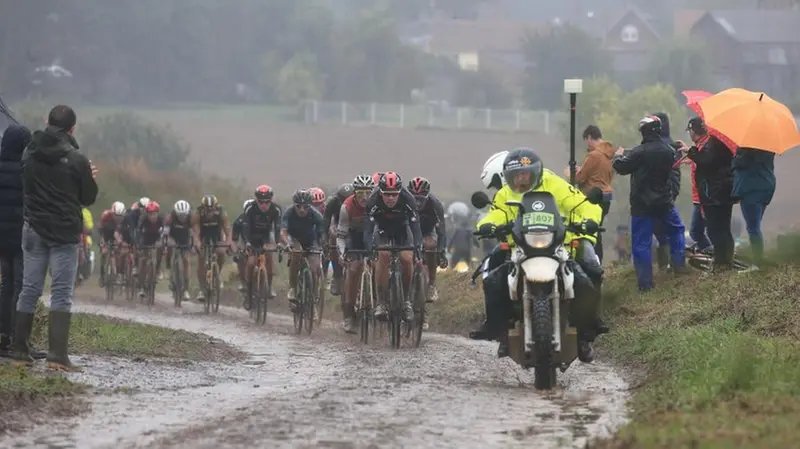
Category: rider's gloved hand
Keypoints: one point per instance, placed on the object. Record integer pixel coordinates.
(487, 228)
(443, 260)
(590, 227)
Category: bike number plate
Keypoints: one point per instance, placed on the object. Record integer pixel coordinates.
(538, 219)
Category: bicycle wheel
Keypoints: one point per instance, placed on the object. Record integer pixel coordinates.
(365, 305)
(178, 283)
(419, 293)
(320, 302)
(150, 293)
(130, 280)
(395, 309)
(309, 301)
(299, 295)
(110, 277)
(263, 292)
(250, 304)
(216, 289)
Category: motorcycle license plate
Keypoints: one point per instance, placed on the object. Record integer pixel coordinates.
(538, 219)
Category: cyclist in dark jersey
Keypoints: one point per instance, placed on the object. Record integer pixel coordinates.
(350, 236)
(237, 235)
(210, 226)
(432, 226)
(177, 232)
(148, 234)
(331, 219)
(392, 217)
(110, 225)
(304, 226)
(260, 227)
(129, 228)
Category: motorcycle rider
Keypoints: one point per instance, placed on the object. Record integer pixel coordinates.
(523, 171)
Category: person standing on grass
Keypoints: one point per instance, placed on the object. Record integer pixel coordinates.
(753, 186)
(15, 139)
(58, 181)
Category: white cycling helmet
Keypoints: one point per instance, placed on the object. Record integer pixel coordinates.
(144, 201)
(247, 203)
(118, 208)
(182, 207)
(492, 174)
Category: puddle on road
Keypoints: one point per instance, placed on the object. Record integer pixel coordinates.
(328, 391)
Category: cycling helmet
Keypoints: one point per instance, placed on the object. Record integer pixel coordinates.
(419, 186)
(650, 124)
(247, 204)
(376, 177)
(118, 208)
(264, 193)
(135, 206)
(302, 196)
(152, 206)
(458, 209)
(363, 182)
(390, 182)
(209, 201)
(182, 207)
(492, 174)
(317, 195)
(144, 201)
(523, 160)
(345, 190)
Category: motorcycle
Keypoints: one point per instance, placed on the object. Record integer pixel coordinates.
(541, 282)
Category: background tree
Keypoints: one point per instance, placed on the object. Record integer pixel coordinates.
(683, 64)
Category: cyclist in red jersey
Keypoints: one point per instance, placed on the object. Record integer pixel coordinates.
(110, 226)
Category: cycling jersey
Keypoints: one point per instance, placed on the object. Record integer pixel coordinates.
(350, 230)
(178, 230)
(108, 225)
(130, 223)
(210, 224)
(431, 218)
(399, 223)
(308, 230)
(148, 232)
(332, 208)
(261, 227)
(237, 228)
(320, 208)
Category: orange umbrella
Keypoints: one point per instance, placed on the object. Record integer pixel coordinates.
(750, 119)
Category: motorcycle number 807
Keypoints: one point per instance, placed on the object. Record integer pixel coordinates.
(538, 219)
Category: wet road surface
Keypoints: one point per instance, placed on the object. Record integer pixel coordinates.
(326, 390)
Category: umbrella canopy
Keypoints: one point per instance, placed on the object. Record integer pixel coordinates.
(695, 96)
(750, 119)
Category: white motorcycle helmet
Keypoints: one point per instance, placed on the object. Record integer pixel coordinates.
(492, 174)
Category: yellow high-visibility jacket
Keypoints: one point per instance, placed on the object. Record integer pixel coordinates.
(88, 223)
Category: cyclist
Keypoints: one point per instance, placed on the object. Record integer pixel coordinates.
(318, 199)
(524, 172)
(432, 225)
(304, 226)
(177, 230)
(261, 225)
(210, 226)
(237, 235)
(350, 235)
(110, 225)
(148, 233)
(392, 217)
(331, 223)
(130, 226)
(376, 178)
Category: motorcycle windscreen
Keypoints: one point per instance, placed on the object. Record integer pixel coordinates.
(539, 213)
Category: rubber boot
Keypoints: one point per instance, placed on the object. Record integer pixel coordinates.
(58, 336)
(22, 334)
(662, 256)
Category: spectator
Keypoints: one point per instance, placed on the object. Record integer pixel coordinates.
(714, 178)
(697, 226)
(662, 252)
(596, 171)
(15, 139)
(753, 185)
(58, 181)
(650, 167)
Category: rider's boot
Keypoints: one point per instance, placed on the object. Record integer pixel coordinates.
(290, 295)
(502, 348)
(272, 293)
(482, 333)
(336, 284)
(585, 351)
(433, 294)
(408, 311)
(381, 311)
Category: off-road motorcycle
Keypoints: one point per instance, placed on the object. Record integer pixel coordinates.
(541, 281)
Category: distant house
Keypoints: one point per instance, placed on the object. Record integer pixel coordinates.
(630, 41)
(754, 49)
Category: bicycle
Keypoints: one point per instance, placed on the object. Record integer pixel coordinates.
(306, 299)
(177, 281)
(703, 260)
(259, 289)
(213, 287)
(110, 270)
(149, 278)
(129, 279)
(365, 299)
(396, 293)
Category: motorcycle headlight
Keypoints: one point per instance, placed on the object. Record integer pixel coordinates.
(539, 240)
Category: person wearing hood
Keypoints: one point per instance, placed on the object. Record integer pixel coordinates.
(15, 139)
(663, 252)
(753, 185)
(651, 199)
(58, 181)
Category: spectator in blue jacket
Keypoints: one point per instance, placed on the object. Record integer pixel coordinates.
(753, 186)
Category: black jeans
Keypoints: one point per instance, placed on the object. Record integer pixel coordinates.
(598, 247)
(11, 272)
(718, 227)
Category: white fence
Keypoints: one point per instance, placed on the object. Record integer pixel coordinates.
(432, 116)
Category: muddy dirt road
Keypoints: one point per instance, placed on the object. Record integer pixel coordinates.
(325, 390)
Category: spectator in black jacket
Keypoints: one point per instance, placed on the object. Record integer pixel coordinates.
(650, 167)
(58, 182)
(663, 253)
(15, 139)
(714, 179)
